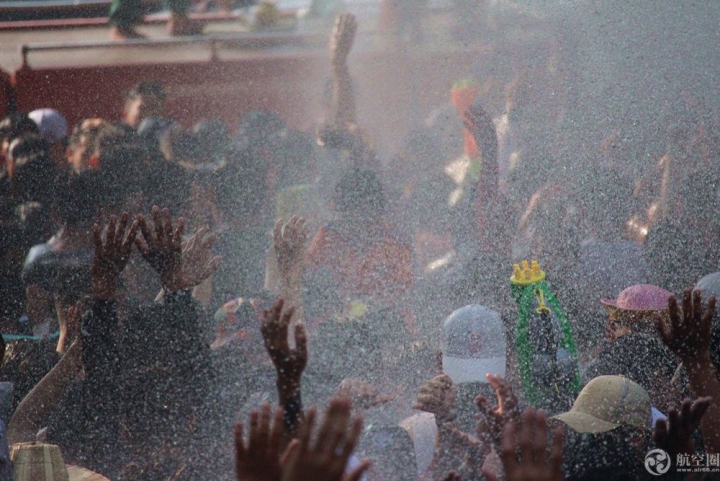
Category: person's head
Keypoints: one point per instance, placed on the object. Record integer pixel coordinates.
(607, 403)
(78, 151)
(146, 99)
(635, 310)
(32, 171)
(643, 359)
(51, 123)
(473, 344)
(15, 125)
(359, 193)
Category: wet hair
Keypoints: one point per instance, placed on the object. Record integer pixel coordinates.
(360, 191)
(149, 88)
(17, 124)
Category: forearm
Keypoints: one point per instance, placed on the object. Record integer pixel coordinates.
(290, 400)
(37, 405)
(291, 290)
(704, 382)
(343, 101)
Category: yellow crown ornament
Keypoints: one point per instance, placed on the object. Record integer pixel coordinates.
(527, 273)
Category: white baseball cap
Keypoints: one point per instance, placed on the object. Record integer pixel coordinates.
(53, 126)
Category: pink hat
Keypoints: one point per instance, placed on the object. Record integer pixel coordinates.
(641, 297)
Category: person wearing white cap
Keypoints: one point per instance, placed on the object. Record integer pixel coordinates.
(53, 129)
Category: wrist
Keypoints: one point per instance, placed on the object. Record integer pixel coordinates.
(698, 360)
(172, 282)
(104, 290)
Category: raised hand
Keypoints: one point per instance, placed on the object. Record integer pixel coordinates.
(112, 252)
(289, 363)
(289, 244)
(675, 434)
(342, 38)
(452, 476)
(161, 247)
(492, 420)
(361, 393)
(437, 396)
(532, 463)
(71, 330)
(687, 334)
(325, 457)
(198, 262)
(259, 458)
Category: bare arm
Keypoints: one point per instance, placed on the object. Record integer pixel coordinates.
(687, 334)
(289, 245)
(35, 408)
(343, 98)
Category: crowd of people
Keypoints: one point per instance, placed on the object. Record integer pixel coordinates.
(163, 287)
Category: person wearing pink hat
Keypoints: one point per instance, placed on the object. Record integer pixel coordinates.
(634, 307)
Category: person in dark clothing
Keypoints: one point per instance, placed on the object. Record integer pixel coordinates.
(146, 383)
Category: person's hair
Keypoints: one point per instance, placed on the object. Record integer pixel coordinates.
(360, 191)
(80, 197)
(16, 124)
(150, 88)
(28, 145)
(83, 131)
(34, 177)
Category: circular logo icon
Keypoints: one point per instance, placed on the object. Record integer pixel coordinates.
(657, 462)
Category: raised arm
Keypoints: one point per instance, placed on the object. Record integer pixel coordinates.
(289, 363)
(343, 98)
(35, 408)
(289, 246)
(687, 335)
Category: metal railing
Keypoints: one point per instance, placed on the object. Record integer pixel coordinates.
(240, 40)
